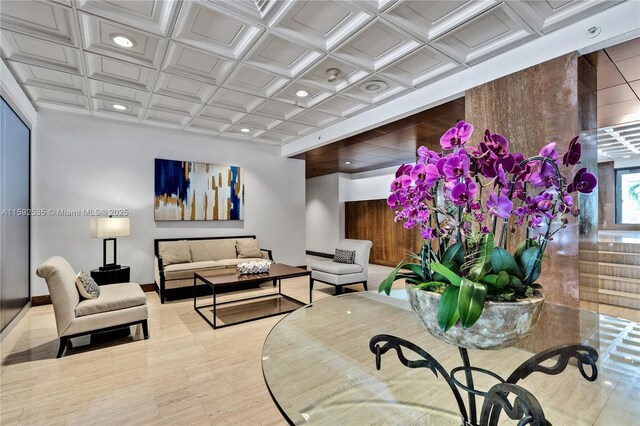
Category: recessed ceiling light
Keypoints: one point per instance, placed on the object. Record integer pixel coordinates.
(121, 40)
(373, 86)
(119, 107)
(626, 156)
(245, 130)
(302, 93)
(347, 162)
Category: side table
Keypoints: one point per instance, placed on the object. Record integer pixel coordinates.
(111, 276)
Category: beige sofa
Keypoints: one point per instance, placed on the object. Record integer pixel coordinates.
(177, 259)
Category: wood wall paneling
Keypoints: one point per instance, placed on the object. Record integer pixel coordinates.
(373, 220)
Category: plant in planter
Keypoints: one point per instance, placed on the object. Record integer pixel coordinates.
(465, 200)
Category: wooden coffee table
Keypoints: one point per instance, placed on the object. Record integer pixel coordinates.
(278, 272)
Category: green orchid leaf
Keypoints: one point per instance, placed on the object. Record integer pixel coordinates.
(430, 284)
(482, 259)
(451, 276)
(387, 283)
(471, 301)
(523, 246)
(413, 281)
(529, 265)
(454, 253)
(489, 279)
(516, 284)
(501, 260)
(452, 266)
(448, 308)
(503, 280)
(413, 267)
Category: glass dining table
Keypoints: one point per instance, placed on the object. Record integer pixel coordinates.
(319, 365)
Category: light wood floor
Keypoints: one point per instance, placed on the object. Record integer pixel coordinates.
(186, 373)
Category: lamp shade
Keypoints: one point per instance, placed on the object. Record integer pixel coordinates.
(110, 227)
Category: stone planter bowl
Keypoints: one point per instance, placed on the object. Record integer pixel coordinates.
(502, 324)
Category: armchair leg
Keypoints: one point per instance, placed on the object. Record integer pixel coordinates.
(364, 283)
(63, 345)
(145, 329)
(338, 290)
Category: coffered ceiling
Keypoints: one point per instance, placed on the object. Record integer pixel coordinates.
(234, 68)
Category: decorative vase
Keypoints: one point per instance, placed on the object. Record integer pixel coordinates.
(502, 324)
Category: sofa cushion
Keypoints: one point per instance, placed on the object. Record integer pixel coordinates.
(202, 250)
(232, 263)
(344, 256)
(113, 297)
(87, 287)
(186, 270)
(335, 268)
(248, 248)
(174, 252)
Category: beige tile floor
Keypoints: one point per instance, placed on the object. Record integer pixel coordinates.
(186, 373)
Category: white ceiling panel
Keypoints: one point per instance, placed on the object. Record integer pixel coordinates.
(279, 110)
(102, 108)
(317, 76)
(149, 15)
(275, 138)
(293, 129)
(222, 115)
(376, 89)
(486, 35)
(118, 94)
(377, 45)
(254, 81)
(322, 24)
(429, 19)
(235, 100)
(173, 105)
(184, 88)
(194, 63)
(57, 99)
(421, 67)
(46, 78)
(258, 122)
(237, 132)
(290, 94)
(98, 34)
(209, 28)
(21, 48)
(315, 118)
(341, 106)
(41, 19)
(119, 72)
(205, 125)
(165, 119)
(547, 16)
(218, 66)
(281, 56)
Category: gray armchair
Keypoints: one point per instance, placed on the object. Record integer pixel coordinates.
(119, 305)
(341, 274)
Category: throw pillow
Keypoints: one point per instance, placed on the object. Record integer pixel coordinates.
(174, 252)
(87, 287)
(248, 248)
(344, 256)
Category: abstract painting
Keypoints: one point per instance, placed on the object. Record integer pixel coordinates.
(186, 190)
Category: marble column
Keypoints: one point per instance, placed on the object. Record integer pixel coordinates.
(552, 101)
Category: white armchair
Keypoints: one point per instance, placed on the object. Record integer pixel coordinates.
(341, 274)
(119, 305)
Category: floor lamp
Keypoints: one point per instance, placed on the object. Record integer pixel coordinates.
(109, 228)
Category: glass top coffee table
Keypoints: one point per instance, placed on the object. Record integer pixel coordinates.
(320, 369)
(274, 303)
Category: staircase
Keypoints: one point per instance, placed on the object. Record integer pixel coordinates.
(611, 275)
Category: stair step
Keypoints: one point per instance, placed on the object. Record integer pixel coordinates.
(610, 269)
(610, 257)
(619, 247)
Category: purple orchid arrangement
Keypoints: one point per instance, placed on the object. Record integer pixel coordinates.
(464, 200)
